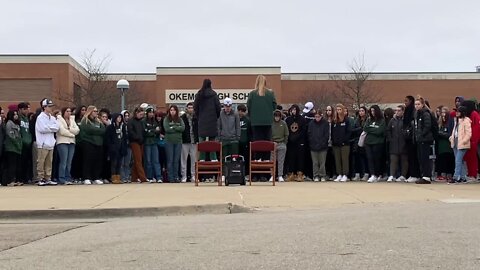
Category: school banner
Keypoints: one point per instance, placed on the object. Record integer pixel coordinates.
(183, 96)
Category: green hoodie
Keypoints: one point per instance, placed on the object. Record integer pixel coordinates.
(151, 133)
(375, 131)
(92, 132)
(13, 140)
(25, 130)
(173, 130)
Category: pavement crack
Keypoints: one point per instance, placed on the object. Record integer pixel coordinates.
(113, 198)
(347, 193)
(45, 237)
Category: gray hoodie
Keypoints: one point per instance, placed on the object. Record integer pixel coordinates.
(229, 126)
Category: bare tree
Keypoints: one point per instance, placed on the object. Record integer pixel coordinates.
(320, 95)
(95, 86)
(355, 88)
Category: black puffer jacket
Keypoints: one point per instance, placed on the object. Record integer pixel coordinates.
(318, 133)
(116, 139)
(422, 124)
(186, 133)
(207, 108)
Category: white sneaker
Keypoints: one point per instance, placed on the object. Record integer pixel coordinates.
(184, 180)
(87, 182)
(411, 180)
(98, 182)
(271, 179)
(223, 178)
(344, 179)
(323, 179)
(338, 179)
(391, 178)
(159, 181)
(316, 179)
(51, 183)
(357, 177)
(280, 179)
(365, 177)
(372, 179)
(401, 179)
(214, 160)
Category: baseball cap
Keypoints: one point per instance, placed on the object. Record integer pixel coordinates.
(227, 102)
(46, 102)
(308, 107)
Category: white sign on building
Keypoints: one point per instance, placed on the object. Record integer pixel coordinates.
(183, 96)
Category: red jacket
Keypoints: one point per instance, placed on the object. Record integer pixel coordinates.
(475, 117)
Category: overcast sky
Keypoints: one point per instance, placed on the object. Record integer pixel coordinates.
(298, 35)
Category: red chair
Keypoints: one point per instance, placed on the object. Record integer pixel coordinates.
(208, 167)
(264, 166)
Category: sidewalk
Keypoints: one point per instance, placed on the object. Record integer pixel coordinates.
(259, 195)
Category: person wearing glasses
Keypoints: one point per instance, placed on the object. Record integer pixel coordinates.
(45, 129)
(68, 129)
(92, 132)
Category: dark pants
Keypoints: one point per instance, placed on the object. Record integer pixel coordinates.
(92, 161)
(330, 163)
(413, 168)
(445, 163)
(77, 162)
(26, 174)
(375, 153)
(115, 164)
(14, 163)
(295, 158)
(243, 150)
(361, 163)
(423, 153)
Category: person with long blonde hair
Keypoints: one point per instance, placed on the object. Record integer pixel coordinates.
(92, 132)
(341, 131)
(261, 104)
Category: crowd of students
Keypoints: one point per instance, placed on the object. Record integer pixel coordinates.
(84, 145)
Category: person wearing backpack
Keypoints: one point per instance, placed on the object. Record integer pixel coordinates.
(423, 137)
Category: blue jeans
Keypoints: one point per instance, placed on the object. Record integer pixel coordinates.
(460, 172)
(125, 169)
(65, 156)
(173, 160)
(152, 162)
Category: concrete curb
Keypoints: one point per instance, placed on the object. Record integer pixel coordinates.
(215, 209)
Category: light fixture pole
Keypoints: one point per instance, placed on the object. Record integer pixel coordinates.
(123, 86)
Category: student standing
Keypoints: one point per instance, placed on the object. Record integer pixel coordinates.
(229, 129)
(174, 128)
(423, 136)
(341, 131)
(116, 139)
(152, 135)
(66, 134)
(318, 136)
(280, 137)
(92, 131)
(397, 146)
(13, 149)
(460, 142)
(26, 174)
(136, 137)
(375, 142)
(45, 128)
(189, 143)
(207, 108)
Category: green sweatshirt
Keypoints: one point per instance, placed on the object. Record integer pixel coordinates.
(92, 132)
(151, 132)
(375, 131)
(260, 108)
(25, 130)
(280, 132)
(173, 130)
(13, 140)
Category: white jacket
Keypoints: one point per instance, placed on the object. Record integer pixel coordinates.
(45, 129)
(67, 134)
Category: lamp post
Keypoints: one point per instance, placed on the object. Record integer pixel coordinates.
(123, 86)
